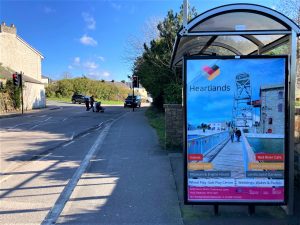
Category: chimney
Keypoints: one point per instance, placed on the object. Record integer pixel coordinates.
(8, 29)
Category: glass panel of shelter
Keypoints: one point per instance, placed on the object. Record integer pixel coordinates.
(238, 21)
(242, 44)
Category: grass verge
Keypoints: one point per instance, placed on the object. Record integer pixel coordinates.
(157, 121)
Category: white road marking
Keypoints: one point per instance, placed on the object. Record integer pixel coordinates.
(47, 119)
(72, 137)
(17, 125)
(55, 212)
(59, 205)
(34, 127)
(65, 145)
(85, 135)
(41, 123)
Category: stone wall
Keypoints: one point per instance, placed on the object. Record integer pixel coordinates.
(174, 126)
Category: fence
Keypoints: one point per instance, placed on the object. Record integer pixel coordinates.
(204, 144)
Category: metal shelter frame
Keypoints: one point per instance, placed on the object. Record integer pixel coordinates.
(241, 30)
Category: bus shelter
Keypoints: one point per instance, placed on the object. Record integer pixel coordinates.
(236, 31)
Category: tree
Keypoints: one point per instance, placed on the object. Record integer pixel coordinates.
(290, 8)
(153, 66)
(135, 43)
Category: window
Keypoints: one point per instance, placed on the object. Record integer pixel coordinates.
(270, 120)
(279, 106)
(280, 95)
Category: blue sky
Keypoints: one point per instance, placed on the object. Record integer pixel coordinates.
(91, 37)
(216, 106)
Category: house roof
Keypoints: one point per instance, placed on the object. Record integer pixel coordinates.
(6, 73)
(272, 86)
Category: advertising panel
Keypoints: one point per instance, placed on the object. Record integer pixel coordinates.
(235, 141)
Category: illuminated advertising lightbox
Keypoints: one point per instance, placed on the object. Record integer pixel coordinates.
(235, 129)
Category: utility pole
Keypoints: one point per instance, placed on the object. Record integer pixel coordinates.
(185, 13)
(132, 97)
(22, 96)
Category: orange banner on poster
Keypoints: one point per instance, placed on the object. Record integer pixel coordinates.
(199, 166)
(266, 166)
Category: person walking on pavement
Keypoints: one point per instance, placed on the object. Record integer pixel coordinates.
(92, 100)
(231, 133)
(238, 134)
(87, 104)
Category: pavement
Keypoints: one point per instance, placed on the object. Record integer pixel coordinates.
(49, 106)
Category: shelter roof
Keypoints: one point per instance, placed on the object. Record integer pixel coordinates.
(235, 29)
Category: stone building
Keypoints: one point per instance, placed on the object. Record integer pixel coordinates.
(272, 109)
(17, 55)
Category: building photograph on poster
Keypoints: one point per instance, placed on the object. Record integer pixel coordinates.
(235, 129)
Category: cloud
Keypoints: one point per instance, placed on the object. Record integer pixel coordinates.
(86, 40)
(90, 65)
(97, 75)
(70, 67)
(49, 10)
(89, 20)
(76, 61)
(101, 58)
(116, 6)
(106, 74)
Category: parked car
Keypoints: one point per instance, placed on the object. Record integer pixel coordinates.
(78, 98)
(134, 101)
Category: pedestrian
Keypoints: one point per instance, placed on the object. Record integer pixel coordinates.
(98, 107)
(87, 103)
(238, 134)
(92, 100)
(231, 133)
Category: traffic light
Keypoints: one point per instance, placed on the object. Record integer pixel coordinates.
(135, 82)
(16, 80)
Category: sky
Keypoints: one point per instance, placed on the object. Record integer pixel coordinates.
(92, 38)
(216, 106)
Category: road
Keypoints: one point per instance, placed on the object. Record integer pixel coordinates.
(37, 133)
(68, 166)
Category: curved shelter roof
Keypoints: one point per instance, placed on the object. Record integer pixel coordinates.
(236, 29)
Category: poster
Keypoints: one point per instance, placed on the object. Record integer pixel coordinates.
(235, 129)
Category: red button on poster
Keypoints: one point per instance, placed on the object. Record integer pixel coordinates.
(269, 157)
(198, 157)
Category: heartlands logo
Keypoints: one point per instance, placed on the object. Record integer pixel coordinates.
(211, 72)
